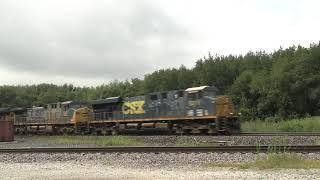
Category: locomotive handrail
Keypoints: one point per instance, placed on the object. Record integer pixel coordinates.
(121, 116)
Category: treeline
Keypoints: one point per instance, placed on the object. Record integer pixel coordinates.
(285, 83)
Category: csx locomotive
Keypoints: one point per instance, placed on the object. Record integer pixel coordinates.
(197, 110)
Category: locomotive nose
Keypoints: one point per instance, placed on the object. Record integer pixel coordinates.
(224, 106)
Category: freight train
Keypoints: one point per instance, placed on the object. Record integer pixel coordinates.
(196, 110)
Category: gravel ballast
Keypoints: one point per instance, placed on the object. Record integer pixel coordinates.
(34, 141)
(232, 140)
(71, 170)
(150, 165)
(140, 166)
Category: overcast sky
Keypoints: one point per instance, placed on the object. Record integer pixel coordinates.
(90, 42)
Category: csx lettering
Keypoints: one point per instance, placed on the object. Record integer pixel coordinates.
(133, 107)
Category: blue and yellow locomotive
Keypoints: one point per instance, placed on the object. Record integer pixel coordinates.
(190, 111)
(194, 110)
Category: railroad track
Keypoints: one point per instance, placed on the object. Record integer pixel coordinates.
(152, 133)
(172, 149)
(239, 134)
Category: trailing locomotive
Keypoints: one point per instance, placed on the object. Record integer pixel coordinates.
(191, 111)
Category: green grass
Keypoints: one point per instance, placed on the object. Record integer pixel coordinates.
(184, 141)
(311, 124)
(91, 140)
(276, 161)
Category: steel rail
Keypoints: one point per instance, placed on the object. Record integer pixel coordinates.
(171, 149)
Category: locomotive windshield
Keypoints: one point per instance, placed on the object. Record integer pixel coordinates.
(193, 96)
(209, 93)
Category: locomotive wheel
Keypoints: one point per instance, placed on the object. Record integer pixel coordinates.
(104, 132)
(95, 132)
(48, 133)
(19, 131)
(114, 132)
(64, 131)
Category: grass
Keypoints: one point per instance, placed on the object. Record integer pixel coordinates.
(311, 124)
(276, 161)
(284, 160)
(184, 141)
(91, 140)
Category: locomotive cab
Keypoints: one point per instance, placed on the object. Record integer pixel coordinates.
(207, 98)
(205, 101)
(81, 119)
(81, 115)
(200, 100)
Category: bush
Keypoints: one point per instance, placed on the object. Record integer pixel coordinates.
(246, 114)
(292, 126)
(273, 119)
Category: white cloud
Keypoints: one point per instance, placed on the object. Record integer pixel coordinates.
(90, 42)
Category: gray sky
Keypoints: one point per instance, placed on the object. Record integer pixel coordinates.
(90, 42)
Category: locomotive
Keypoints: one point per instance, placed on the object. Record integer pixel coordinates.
(196, 110)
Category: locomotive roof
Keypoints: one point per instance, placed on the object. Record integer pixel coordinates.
(17, 109)
(107, 100)
(4, 110)
(66, 102)
(7, 110)
(70, 102)
(200, 88)
(36, 108)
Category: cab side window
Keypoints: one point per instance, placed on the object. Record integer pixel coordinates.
(66, 107)
(153, 97)
(179, 94)
(164, 95)
(192, 96)
(210, 93)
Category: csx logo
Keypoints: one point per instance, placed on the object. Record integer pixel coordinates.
(133, 107)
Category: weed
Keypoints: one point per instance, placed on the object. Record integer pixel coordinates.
(275, 161)
(91, 140)
(282, 160)
(310, 124)
(279, 141)
(184, 141)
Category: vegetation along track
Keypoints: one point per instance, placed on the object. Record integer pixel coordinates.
(171, 149)
(279, 134)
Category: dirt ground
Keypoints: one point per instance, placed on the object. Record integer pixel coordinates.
(80, 170)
